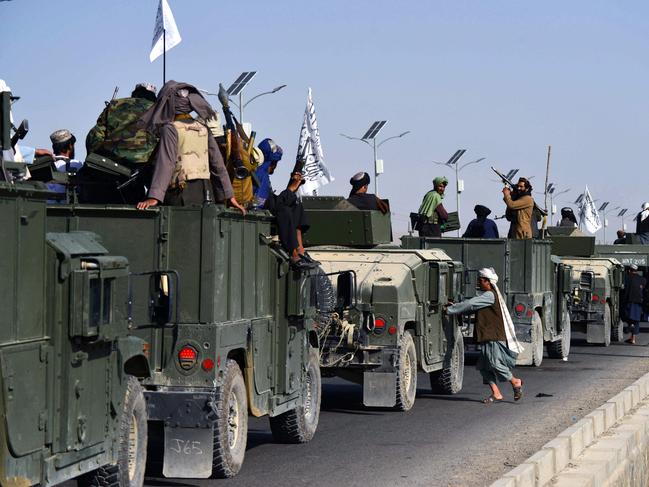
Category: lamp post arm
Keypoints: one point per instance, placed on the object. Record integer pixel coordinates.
(274, 90)
(472, 162)
(356, 138)
(390, 138)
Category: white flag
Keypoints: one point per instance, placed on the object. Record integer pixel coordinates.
(165, 25)
(588, 215)
(315, 172)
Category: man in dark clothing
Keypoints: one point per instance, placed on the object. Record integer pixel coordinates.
(291, 221)
(360, 198)
(481, 227)
(187, 154)
(633, 297)
(621, 237)
(568, 218)
(642, 224)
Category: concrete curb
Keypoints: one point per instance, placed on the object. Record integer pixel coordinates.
(608, 447)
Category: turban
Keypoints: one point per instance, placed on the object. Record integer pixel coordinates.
(359, 180)
(489, 273)
(481, 211)
(272, 151)
(440, 180)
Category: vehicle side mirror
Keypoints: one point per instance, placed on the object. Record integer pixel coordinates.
(345, 289)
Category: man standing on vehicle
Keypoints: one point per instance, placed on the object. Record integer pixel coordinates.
(520, 206)
(481, 226)
(360, 198)
(632, 298)
(432, 214)
(187, 154)
(494, 331)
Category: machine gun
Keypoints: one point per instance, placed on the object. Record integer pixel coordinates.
(508, 182)
(20, 133)
(240, 172)
(300, 161)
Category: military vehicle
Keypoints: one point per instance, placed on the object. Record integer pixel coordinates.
(70, 402)
(227, 321)
(625, 254)
(535, 285)
(394, 325)
(596, 285)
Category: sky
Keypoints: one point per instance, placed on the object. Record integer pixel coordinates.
(502, 79)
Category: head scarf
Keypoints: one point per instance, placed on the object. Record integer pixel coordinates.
(357, 181)
(175, 98)
(510, 332)
(569, 214)
(481, 211)
(645, 212)
(440, 180)
(272, 151)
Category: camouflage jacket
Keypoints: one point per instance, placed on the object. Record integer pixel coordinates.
(117, 136)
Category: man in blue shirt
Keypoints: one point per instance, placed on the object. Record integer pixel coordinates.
(272, 155)
(481, 227)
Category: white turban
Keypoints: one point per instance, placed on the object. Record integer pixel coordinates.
(645, 212)
(489, 273)
(510, 331)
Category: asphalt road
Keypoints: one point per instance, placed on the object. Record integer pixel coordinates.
(443, 440)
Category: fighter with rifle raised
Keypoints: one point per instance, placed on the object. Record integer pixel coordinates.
(521, 207)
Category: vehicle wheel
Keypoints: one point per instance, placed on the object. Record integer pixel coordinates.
(537, 340)
(300, 424)
(230, 424)
(608, 325)
(131, 455)
(561, 348)
(406, 373)
(617, 332)
(449, 379)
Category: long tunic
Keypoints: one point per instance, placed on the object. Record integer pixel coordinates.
(522, 208)
(165, 162)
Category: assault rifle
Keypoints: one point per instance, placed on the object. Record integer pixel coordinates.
(508, 182)
(240, 171)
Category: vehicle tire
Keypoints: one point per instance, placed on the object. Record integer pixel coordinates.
(300, 424)
(325, 297)
(230, 423)
(449, 379)
(406, 373)
(617, 332)
(561, 348)
(608, 325)
(537, 340)
(131, 454)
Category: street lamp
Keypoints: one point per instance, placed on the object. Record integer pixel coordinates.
(459, 184)
(621, 215)
(371, 134)
(602, 209)
(552, 191)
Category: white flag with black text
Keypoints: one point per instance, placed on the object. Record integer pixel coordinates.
(315, 171)
(588, 215)
(165, 32)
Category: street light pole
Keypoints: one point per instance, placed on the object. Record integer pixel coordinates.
(376, 169)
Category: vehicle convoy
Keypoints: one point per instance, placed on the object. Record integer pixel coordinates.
(394, 325)
(227, 322)
(596, 285)
(535, 284)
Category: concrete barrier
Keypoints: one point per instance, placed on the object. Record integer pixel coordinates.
(607, 448)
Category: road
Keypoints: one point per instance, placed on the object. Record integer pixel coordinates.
(443, 440)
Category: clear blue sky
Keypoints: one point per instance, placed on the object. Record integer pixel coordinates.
(502, 79)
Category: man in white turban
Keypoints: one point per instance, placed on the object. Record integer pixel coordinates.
(494, 331)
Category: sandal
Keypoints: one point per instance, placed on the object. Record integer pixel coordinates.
(518, 391)
(491, 399)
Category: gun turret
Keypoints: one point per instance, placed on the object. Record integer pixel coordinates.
(20, 133)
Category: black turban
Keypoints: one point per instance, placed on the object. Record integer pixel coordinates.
(358, 181)
(481, 211)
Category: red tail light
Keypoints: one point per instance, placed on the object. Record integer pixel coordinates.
(208, 364)
(519, 308)
(529, 313)
(595, 297)
(187, 357)
(392, 330)
(379, 325)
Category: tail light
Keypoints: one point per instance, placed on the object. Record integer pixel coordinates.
(208, 364)
(519, 308)
(595, 298)
(379, 325)
(392, 330)
(187, 357)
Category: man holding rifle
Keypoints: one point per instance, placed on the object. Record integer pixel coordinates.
(520, 206)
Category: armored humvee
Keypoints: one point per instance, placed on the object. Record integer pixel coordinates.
(596, 285)
(70, 403)
(228, 324)
(535, 285)
(394, 325)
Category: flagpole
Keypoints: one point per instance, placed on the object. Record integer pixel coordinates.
(164, 56)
